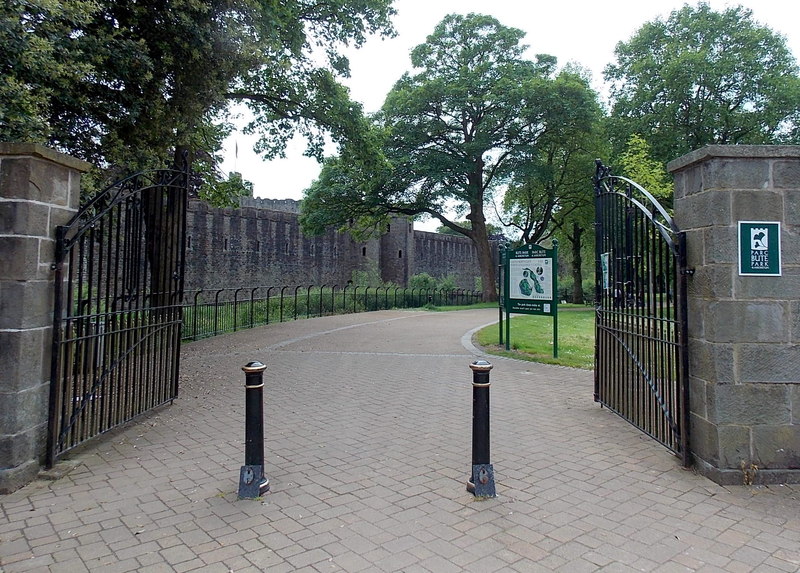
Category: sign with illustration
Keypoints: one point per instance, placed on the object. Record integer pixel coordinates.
(760, 248)
(531, 280)
(530, 286)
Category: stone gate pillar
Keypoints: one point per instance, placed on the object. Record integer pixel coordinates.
(39, 189)
(744, 330)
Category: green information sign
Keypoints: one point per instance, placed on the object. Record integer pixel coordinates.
(530, 285)
(760, 248)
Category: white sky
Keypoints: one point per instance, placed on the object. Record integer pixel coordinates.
(572, 30)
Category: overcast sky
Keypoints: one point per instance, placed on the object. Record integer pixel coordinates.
(572, 30)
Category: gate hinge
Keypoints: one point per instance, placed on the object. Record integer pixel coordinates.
(689, 272)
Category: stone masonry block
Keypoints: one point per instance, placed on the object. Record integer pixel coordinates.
(24, 410)
(19, 257)
(777, 446)
(712, 362)
(721, 245)
(704, 439)
(17, 449)
(757, 205)
(695, 247)
(698, 401)
(794, 394)
(697, 309)
(15, 176)
(24, 359)
(768, 288)
(734, 446)
(736, 173)
(791, 202)
(706, 209)
(766, 363)
(794, 309)
(742, 321)
(24, 218)
(711, 282)
(750, 404)
(26, 305)
(786, 174)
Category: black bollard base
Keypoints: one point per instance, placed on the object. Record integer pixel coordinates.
(252, 482)
(481, 483)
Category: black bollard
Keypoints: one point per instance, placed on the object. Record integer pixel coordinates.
(252, 481)
(481, 482)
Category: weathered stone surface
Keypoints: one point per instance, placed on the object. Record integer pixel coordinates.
(711, 282)
(734, 174)
(21, 411)
(23, 218)
(762, 363)
(704, 439)
(25, 304)
(741, 321)
(698, 402)
(750, 404)
(721, 245)
(24, 359)
(702, 210)
(768, 288)
(786, 175)
(734, 446)
(777, 446)
(19, 257)
(756, 205)
(711, 362)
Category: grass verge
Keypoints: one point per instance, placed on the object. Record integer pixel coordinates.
(532, 338)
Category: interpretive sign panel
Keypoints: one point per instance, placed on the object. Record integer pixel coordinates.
(531, 280)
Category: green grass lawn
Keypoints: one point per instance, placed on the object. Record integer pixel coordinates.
(532, 338)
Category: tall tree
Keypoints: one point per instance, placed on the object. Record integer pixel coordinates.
(121, 83)
(451, 134)
(704, 77)
(558, 170)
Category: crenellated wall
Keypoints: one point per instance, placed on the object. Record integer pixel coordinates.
(261, 244)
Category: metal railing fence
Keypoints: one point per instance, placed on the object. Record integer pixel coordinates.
(210, 312)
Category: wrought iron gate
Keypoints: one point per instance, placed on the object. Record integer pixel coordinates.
(117, 319)
(641, 359)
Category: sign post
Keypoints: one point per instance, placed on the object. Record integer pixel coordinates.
(531, 285)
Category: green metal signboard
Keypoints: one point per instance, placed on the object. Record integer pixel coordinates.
(530, 284)
(760, 248)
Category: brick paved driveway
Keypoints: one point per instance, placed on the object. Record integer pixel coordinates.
(368, 421)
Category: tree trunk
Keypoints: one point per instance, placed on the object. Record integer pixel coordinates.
(480, 239)
(575, 240)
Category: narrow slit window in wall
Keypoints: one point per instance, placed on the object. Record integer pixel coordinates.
(189, 242)
(400, 254)
(286, 248)
(363, 251)
(225, 244)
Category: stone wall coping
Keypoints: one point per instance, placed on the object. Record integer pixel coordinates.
(41, 152)
(734, 152)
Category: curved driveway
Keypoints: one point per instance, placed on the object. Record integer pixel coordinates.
(368, 444)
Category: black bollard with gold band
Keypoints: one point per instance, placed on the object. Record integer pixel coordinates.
(252, 481)
(481, 483)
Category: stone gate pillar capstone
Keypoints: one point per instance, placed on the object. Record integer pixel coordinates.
(744, 330)
(39, 189)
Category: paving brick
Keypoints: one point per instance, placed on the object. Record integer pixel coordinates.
(367, 442)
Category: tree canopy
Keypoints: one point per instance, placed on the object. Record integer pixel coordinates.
(704, 77)
(121, 83)
(449, 136)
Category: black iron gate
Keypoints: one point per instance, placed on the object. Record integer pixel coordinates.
(117, 320)
(640, 297)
